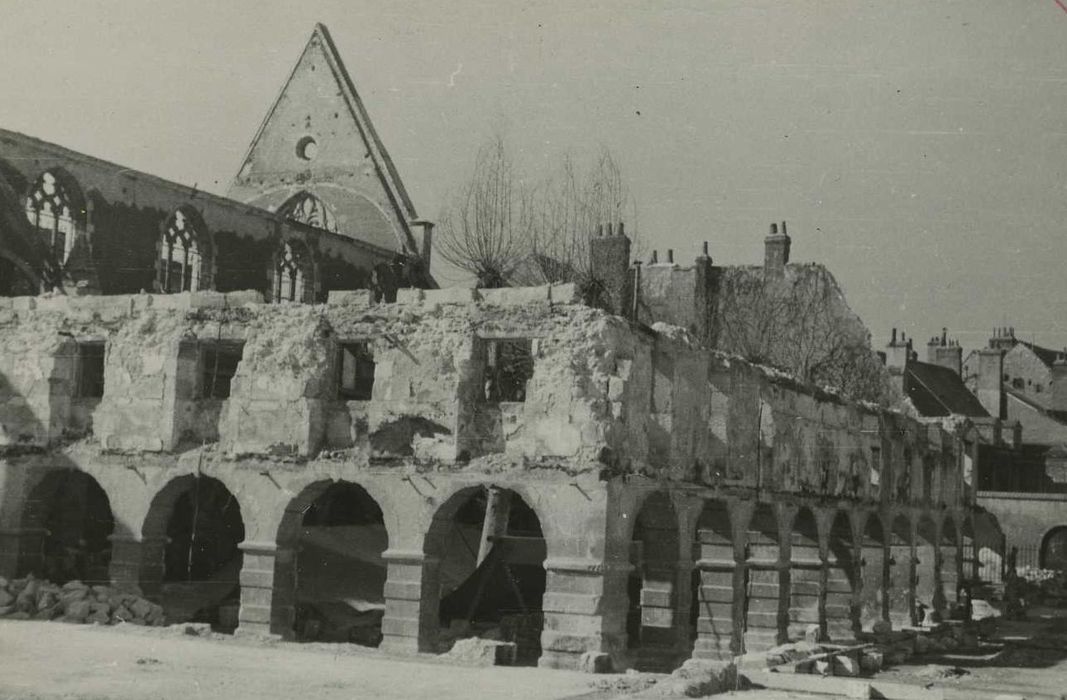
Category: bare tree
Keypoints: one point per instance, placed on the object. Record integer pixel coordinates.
(572, 203)
(487, 229)
(799, 323)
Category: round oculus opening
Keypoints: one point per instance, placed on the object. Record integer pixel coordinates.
(307, 148)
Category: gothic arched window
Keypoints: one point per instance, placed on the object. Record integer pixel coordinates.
(309, 209)
(290, 273)
(52, 212)
(180, 255)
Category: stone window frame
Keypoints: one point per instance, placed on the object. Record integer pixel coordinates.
(184, 233)
(356, 393)
(293, 273)
(210, 352)
(51, 189)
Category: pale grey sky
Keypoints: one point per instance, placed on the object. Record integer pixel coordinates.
(916, 147)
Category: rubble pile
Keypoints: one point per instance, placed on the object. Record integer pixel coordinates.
(30, 598)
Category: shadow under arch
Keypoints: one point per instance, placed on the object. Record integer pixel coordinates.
(765, 608)
(900, 590)
(717, 579)
(872, 601)
(335, 581)
(199, 520)
(488, 551)
(841, 614)
(807, 584)
(71, 513)
(656, 639)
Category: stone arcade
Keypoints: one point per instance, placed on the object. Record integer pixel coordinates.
(651, 500)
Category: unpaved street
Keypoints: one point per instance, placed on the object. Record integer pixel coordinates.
(53, 660)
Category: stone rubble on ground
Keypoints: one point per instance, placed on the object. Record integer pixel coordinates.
(32, 598)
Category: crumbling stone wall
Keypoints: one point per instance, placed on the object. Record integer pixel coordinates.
(614, 416)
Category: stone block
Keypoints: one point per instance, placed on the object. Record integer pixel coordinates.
(207, 300)
(360, 298)
(595, 662)
(243, 297)
(409, 296)
(449, 295)
(484, 652)
(514, 296)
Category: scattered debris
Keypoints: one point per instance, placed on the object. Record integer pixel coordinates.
(31, 598)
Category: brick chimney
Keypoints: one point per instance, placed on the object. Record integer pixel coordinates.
(944, 352)
(1058, 402)
(990, 387)
(609, 254)
(776, 250)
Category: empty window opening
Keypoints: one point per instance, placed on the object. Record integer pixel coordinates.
(90, 370)
(180, 256)
(290, 280)
(218, 367)
(50, 211)
(356, 372)
(508, 368)
(1017, 383)
(340, 574)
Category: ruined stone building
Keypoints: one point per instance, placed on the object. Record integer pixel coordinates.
(410, 466)
(317, 206)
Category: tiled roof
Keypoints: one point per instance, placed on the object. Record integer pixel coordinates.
(938, 391)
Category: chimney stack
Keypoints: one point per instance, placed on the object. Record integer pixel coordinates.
(610, 260)
(945, 353)
(1059, 384)
(776, 250)
(990, 387)
(897, 353)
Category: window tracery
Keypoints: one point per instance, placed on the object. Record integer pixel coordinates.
(180, 256)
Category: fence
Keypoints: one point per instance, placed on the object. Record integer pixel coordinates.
(992, 565)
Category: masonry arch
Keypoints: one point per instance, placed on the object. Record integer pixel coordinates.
(929, 598)
(488, 550)
(806, 576)
(336, 579)
(872, 602)
(200, 521)
(765, 608)
(310, 210)
(1054, 549)
(656, 638)
(70, 514)
(900, 589)
(842, 579)
(717, 580)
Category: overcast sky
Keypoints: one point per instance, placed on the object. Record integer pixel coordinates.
(916, 147)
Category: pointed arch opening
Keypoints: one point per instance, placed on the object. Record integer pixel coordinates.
(929, 596)
(184, 253)
(489, 550)
(55, 208)
(305, 208)
(293, 273)
(842, 579)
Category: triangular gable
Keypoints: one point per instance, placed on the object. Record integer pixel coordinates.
(349, 168)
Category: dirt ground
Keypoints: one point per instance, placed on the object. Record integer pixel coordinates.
(46, 660)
